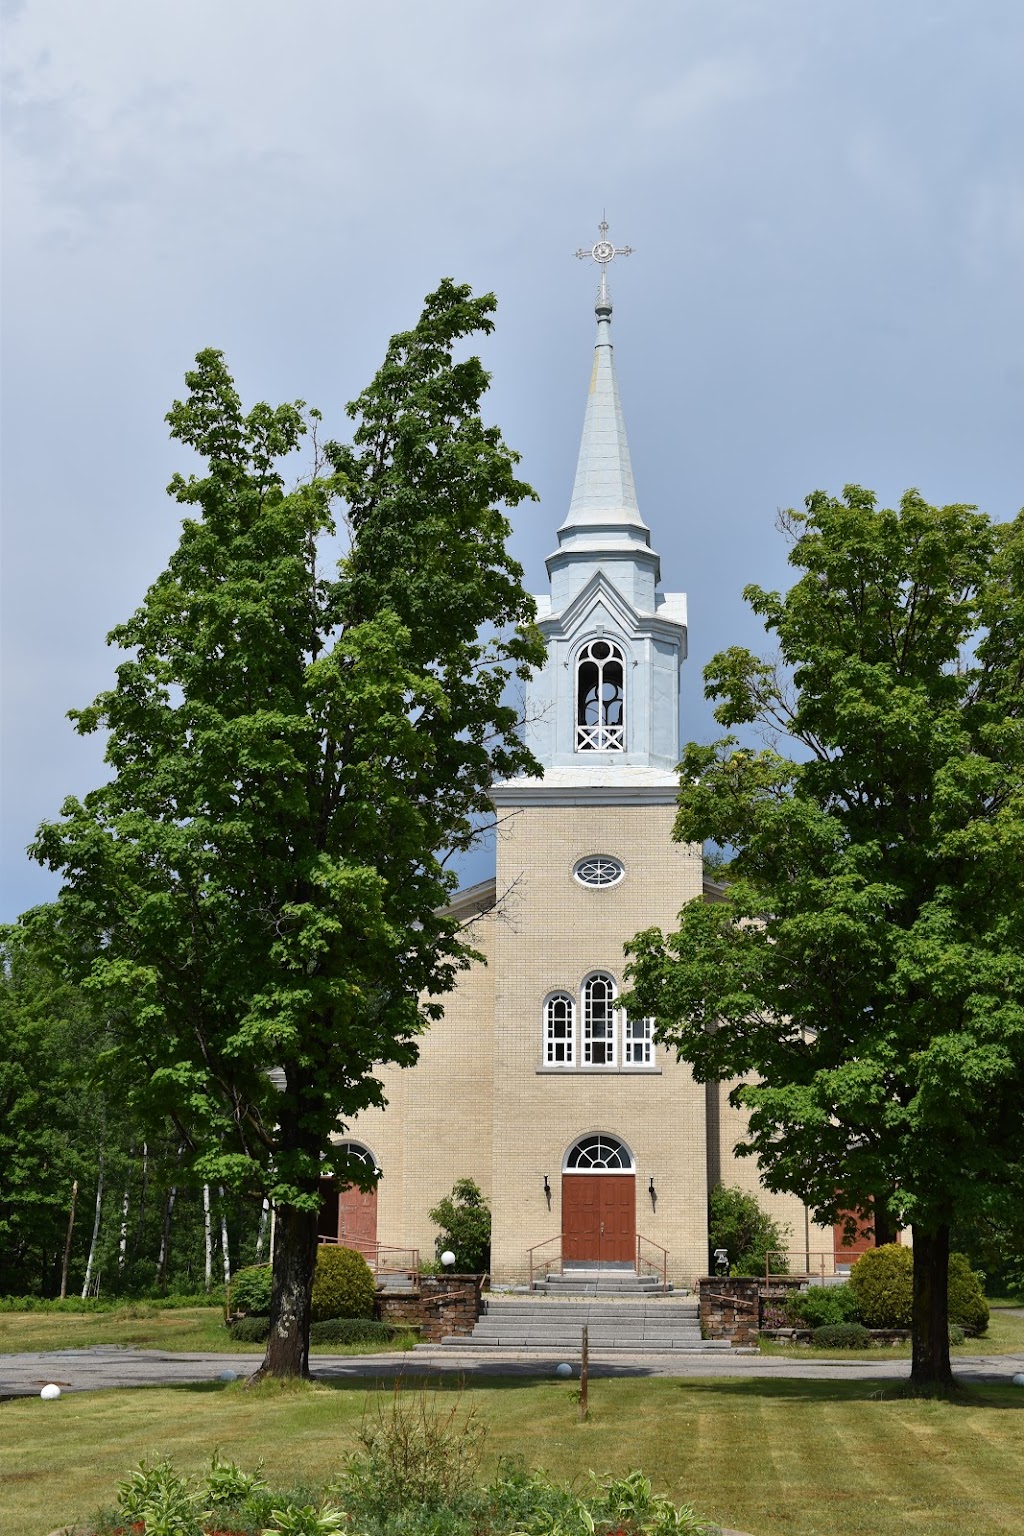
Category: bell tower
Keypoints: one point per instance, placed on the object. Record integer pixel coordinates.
(606, 702)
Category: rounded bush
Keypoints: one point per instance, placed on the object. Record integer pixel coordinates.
(250, 1330)
(343, 1285)
(250, 1290)
(968, 1308)
(956, 1334)
(353, 1330)
(841, 1336)
(822, 1305)
(882, 1282)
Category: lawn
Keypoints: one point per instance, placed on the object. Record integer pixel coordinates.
(190, 1329)
(1005, 1336)
(784, 1458)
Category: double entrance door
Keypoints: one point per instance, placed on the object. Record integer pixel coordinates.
(349, 1216)
(598, 1218)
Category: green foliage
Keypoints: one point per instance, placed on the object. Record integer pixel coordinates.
(821, 1305)
(226, 1483)
(159, 1499)
(355, 1330)
(464, 1217)
(295, 752)
(968, 1308)
(343, 1284)
(737, 1223)
(956, 1334)
(252, 1329)
(882, 1282)
(251, 1288)
(841, 1336)
(306, 1520)
(863, 980)
(419, 1450)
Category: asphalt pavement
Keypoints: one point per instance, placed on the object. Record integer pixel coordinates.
(110, 1366)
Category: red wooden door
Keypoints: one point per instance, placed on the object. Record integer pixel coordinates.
(599, 1218)
(348, 1216)
(847, 1253)
(357, 1219)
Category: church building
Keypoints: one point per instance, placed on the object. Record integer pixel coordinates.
(593, 1145)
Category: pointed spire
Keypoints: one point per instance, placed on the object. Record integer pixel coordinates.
(603, 491)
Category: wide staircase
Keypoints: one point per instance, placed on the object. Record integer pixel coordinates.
(546, 1323)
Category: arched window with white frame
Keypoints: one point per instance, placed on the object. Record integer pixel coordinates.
(560, 1030)
(600, 1018)
(600, 698)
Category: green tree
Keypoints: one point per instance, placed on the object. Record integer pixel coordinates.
(464, 1218)
(258, 893)
(748, 1234)
(865, 977)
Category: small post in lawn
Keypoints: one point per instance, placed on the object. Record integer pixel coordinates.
(584, 1373)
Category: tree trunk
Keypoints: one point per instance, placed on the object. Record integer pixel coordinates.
(224, 1249)
(122, 1242)
(95, 1228)
(262, 1233)
(295, 1245)
(208, 1235)
(67, 1242)
(165, 1235)
(931, 1367)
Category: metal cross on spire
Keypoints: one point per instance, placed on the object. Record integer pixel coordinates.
(603, 252)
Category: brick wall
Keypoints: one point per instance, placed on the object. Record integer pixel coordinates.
(441, 1308)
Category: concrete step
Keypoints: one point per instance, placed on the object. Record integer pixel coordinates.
(571, 1346)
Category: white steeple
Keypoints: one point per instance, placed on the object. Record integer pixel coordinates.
(603, 712)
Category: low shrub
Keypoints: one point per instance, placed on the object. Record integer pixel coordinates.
(355, 1330)
(250, 1329)
(821, 1305)
(841, 1336)
(956, 1334)
(882, 1281)
(160, 1303)
(343, 1285)
(250, 1289)
(968, 1308)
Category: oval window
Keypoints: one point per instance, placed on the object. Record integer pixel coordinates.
(599, 870)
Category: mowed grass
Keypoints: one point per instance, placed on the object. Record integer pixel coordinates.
(775, 1458)
(1004, 1336)
(192, 1330)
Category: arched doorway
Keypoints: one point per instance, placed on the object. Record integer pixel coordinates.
(598, 1202)
(348, 1214)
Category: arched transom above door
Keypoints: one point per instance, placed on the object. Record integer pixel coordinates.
(598, 1154)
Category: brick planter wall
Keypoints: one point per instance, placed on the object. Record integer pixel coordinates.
(729, 1309)
(443, 1306)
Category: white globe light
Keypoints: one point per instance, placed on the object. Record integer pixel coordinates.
(228, 1376)
(563, 1370)
(448, 1257)
(49, 1392)
(1018, 1380)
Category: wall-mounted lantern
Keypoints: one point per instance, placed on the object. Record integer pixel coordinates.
(653, 1193)
(547, 1191)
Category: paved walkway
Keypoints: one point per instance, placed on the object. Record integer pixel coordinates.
(90, 1370)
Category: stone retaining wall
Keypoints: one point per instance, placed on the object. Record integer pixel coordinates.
(442, 1307)
(732, 1307)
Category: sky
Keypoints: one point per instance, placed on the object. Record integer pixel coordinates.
(826, 205)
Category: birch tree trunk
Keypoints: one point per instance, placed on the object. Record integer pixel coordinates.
(95, 1228)
(208, 1235)
(262, 1232)
(122, 1242)
(225, 1250)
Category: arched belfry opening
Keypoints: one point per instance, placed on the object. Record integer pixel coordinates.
(600, 698)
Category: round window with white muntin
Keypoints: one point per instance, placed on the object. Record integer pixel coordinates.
(600, 870)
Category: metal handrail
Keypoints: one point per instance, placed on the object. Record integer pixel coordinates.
(556, 1260)
(664, 1257)
(374, 1254)
(821, 1269)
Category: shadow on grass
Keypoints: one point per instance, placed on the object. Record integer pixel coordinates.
(796, 1389)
